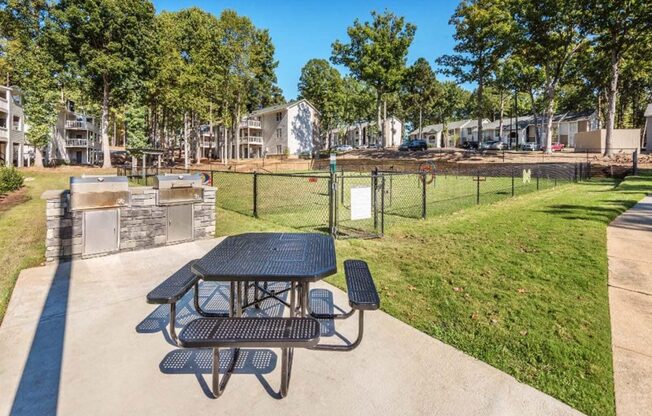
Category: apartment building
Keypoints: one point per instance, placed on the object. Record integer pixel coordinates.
(12, 127)
(457, 132)
(76, 138)
(366, 133)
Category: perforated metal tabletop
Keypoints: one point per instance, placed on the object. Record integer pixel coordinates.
(279, 257)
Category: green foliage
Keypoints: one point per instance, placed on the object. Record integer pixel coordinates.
(136, 128)
(421, 94)
(322, 85)
(10, 179)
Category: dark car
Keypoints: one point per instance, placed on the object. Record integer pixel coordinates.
(470, 145)
(404, 146)
(417, 145)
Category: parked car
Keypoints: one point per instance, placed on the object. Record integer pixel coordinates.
(344, 148)
(497, 145)
(374, 146)
(361, 146)
(404, 146)
(469, 145)
(556, 147)
(530, 147)
(417, 145)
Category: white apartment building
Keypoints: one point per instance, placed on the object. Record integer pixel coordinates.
(12, 127)
(457, 132)
(76, 138)
(291, 128)
(365, 133)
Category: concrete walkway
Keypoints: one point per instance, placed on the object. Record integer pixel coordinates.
(629, 246)
(80, 339)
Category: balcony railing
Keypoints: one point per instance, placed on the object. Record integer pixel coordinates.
(4, 133)
(254, 124)
(251, 140)
(76, 142)
(80, 125)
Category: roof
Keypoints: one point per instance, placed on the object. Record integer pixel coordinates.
(648, 111)
(280, 107)
(362, 124)
(574, 116)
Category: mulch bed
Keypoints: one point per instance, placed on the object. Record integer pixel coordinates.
(14, 198)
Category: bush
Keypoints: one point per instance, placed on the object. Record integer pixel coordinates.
(10, 180)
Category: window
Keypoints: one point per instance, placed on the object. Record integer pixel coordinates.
(279, 133)
(279, 149)
(469, 130)
(279, 116)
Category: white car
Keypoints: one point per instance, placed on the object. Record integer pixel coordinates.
(343, 148)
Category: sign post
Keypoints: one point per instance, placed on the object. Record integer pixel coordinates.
(333, 162)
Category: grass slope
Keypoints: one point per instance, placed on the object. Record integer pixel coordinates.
(520, 284)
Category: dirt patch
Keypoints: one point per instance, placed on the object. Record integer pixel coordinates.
(12, 199)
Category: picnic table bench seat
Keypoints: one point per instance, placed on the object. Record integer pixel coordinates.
(249, 332)
(363, 296)
(172, 289)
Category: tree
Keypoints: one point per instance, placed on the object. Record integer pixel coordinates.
(106, 41)
(453, 100)
(550, 35)
(376, 54)
(483, 31)
(322, 85)
(420, 92)
(28, 62)
(619, 26)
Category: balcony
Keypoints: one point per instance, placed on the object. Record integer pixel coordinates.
(76, 142)
(252, 124)
(251, 140)
(4, 133)
(80, 125)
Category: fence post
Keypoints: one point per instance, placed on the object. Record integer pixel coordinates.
(342, 187)
(212, 178)
(588, 171)
(382, 206)
(331, 213)
(512, 181)
(423, 196)
(255, 194)
(635, 162)
(477, 193)
(538, 179)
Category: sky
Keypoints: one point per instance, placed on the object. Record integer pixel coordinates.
(302, 30)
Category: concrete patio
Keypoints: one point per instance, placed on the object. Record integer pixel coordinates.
(79, 338)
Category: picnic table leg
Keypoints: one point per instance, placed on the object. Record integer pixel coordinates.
(238, 300)
(232, 300)
(256, 295)
(305, 298)
(293, 297)
(173, 319)
(245, 294)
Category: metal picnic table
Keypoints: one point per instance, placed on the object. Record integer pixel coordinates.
(254, 258)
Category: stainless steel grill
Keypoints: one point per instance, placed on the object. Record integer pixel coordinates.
(178, 189)
(93, 192)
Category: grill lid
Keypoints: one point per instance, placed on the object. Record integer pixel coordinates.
(182, 180)
(90, 192)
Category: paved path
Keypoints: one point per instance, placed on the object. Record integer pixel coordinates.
(80, 339)
(629, 247)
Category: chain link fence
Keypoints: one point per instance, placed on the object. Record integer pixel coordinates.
(363, 204)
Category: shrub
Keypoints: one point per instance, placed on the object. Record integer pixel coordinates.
(10, 179)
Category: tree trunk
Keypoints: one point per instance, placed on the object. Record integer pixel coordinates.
(479, 106)
(236, 128)
(535, 116)
(420, 123)
(38, 158)
(502, 112)
(186, 138)
(550, 108)
(106, 150)
(379, 105)
(611, 110)
(383, 129)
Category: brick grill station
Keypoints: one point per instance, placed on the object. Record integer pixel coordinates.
(143, 224)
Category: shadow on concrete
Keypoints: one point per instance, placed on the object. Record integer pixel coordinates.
(200, 361)
(38, 390)
(603, 214)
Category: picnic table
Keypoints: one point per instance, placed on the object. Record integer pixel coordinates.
(252, 261)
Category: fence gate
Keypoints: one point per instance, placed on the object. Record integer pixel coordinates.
(357, 205)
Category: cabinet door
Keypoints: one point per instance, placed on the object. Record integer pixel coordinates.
(101, 231)
(179, 222)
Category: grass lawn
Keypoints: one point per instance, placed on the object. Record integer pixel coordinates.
(520, 284)
(22, 227)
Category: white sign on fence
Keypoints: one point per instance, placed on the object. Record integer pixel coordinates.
(360, 202)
